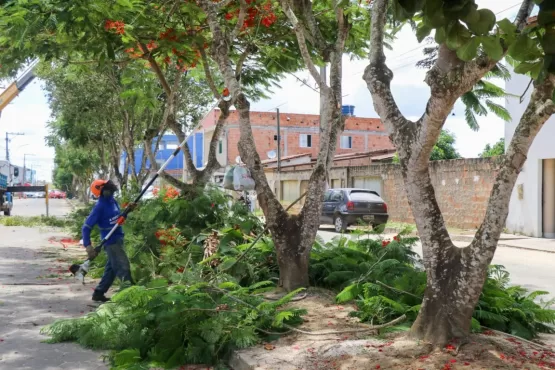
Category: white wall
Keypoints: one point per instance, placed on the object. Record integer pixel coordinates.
(525, 215)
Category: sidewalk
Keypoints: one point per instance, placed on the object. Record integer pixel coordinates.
(516, 241)
(35, 290)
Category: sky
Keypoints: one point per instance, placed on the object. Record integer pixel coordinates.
(29, 113)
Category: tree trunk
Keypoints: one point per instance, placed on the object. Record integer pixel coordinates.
(293, 265)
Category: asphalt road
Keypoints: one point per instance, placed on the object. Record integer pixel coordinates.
(531, 269)
(37, 207)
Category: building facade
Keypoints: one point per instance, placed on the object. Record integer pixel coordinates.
(299, 134)
(532, 205)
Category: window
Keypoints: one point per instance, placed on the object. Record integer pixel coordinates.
(171, 146)
(336, 196)
(327, 196)
(346, 142)
(305, 141)
(220, 146)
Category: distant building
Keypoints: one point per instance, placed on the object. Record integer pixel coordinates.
(15, 174)
(166, 147)
(532, 205)
(299, 134)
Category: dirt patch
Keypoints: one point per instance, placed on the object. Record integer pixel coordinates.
(392, 351)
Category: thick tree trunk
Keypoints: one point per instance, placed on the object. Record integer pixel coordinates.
(293, 264)
(455, 277)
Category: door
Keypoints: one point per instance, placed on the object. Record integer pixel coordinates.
(323, 218)
(369, 183)
(335, 199)
(335, 183)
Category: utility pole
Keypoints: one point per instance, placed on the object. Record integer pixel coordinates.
(8, 142)
(278, 143)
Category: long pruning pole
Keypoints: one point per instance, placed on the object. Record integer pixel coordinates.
(127, 209)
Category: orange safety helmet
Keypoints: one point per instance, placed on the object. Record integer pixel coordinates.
(96, 187)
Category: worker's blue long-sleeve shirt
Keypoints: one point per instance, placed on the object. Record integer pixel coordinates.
(104, 214)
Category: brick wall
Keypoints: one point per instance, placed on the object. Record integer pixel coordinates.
(366, 133)
(462, 189)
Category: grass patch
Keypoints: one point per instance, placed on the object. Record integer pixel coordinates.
(34, 221)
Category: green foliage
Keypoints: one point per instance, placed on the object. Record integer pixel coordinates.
(513, 309)
(169, 325)
(187, 306)
(496, 150)
(445, 147)
(386, 280)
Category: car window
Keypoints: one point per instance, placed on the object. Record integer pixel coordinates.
(336, 196)
(365, 196)
(327, 196)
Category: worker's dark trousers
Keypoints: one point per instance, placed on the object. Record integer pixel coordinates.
(117, 266)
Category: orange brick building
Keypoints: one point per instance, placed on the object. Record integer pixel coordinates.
(299, 135)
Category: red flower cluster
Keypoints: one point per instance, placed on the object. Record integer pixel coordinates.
(151, 45)
(171, 193)
(397, 238)
(134, 54)
(385, 243)
(166, 235)
(119, 26)
(266, 13)
(169, 35)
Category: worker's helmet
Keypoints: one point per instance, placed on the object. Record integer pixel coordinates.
(96, 187)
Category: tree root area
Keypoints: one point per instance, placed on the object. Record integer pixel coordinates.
(490, 350)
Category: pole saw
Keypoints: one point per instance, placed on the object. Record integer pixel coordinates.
(79, 271)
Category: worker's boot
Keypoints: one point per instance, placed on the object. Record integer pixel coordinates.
(100, 298)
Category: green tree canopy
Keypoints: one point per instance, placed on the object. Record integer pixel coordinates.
(494, 150)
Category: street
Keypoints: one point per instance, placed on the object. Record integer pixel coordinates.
(36, 207)
(35, 290)
(531, 269)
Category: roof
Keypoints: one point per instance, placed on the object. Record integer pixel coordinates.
(266, 161)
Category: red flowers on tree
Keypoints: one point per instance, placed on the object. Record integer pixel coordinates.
(266, 13)
(118, 26)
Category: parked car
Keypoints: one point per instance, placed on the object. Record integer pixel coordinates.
(56, 194)
(348, 206)
(34, 194)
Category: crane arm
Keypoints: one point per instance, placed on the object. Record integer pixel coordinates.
(15, 88)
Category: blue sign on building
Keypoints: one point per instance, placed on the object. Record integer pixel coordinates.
(166, 147)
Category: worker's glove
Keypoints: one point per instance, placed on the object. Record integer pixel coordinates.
(91, 252)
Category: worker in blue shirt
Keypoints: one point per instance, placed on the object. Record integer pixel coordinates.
(106, 214)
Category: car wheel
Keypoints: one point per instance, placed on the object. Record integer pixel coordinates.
(339, 224)
(7, 212)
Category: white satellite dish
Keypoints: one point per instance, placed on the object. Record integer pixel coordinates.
(272, 154)
(238, 160)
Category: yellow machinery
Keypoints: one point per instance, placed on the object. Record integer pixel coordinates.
(16, 87)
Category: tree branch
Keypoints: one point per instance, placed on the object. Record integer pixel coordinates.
(301, 40)
(312, 29)
(240, 21)
(378, 76)
(540, 108)
(212, 163)
(208, 73)
(523, 13)
(241, 61)
(156, 69)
